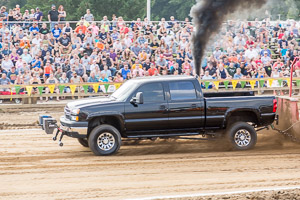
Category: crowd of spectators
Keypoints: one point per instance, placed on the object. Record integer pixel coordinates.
(112, 50)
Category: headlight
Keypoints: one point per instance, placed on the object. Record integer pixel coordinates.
(75, 111)
(74, 118)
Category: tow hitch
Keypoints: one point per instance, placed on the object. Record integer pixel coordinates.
(49, 124)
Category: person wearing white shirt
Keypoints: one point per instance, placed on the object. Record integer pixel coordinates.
(117, 45)
(251, 53)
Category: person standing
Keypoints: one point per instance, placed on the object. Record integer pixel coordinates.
(38, 15)
(62, 16)
(53, 16)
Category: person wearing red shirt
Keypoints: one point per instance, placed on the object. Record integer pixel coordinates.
(47, 70)
(153, 70)
(81, 27)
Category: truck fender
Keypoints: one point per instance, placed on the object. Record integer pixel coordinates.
(232, 111)
(119, 116)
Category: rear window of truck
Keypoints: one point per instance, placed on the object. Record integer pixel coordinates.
(182, 90)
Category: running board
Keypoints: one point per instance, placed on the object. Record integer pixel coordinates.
(163, 135)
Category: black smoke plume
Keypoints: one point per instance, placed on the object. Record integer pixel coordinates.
(208, 16)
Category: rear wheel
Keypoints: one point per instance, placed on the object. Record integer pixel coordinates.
(83, 142)
(241, 136)
(104, 140)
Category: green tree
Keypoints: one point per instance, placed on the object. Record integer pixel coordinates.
(166, 8)
(293, 12)
(129, 9)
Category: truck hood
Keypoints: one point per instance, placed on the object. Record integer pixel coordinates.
(90, 102)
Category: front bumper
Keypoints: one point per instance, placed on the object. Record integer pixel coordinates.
(67, 127)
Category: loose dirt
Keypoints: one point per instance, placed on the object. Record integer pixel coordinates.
(32, 166)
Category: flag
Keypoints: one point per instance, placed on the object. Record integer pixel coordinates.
(261, 83)
(85, 88)
(106, 87)
(280, 82)
(288, 80)
(298, 82)
(17, 87)
(234, 83)
(73, 88)
(40, 88)
(61, 88)
(206, 83)
(216, 83)
(96, 87)
(252, 83)
(243, 84)
(117, 85)
(271, 82)
(226, 84)
(51, 88)
(29, 89)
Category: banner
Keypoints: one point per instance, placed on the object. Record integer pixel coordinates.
(96, 87)
(234, 83)
(85, 88)
(40, 88)
(243, 84)
(252, 83)
(17, 87)
(29, 89)
(51, 88)
(73, 88)
(206, 83)
(216, 83)
(61, 88)
(270, 82)
(261, 83)
(226, 84)
(117, 85)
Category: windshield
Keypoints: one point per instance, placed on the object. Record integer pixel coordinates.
(125, 90)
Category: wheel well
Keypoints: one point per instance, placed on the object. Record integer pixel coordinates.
(242, 116)
(111, 120)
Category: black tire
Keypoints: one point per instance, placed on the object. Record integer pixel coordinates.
(83, 142)
(241, 136)
(109, 143)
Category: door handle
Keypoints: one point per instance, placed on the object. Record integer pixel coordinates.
(193, 106)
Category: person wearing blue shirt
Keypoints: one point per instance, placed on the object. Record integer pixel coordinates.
(36, 62)
(125, 71)
(56, 31)
(238, 74)
(34, 29)
(103, 78)
(92, 79)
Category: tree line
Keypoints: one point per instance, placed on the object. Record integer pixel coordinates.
(132, 9)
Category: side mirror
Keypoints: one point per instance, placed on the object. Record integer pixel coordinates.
(138, 99)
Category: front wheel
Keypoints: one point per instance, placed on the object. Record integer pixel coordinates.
(241, 136)
(104, 140)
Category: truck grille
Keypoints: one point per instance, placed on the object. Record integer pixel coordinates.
(67, 113)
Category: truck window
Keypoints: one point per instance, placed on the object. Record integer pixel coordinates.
(182, 90)
(152, 92)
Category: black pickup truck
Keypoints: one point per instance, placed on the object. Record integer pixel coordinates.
(164, 106)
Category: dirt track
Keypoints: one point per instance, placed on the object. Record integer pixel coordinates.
(32, 166)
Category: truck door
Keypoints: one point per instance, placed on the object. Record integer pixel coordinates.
(152, 114)
(186, 107)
